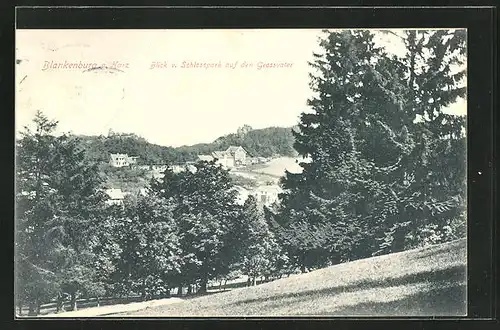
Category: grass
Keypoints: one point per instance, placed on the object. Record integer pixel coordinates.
(422, 282)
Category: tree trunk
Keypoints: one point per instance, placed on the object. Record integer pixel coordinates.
(60, 303)
(220, 285)
(98, 302)
(399, 241)
(32, 309)
(73, 302)
(38, 308)
(203, 285)
(190, 289)
(302, 268)
(254, 280)
(20, 307)
(179, 291)
(143, 293)
(225, 283)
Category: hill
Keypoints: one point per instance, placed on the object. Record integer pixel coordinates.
(266, 142)
(423, 282)
(272, 141)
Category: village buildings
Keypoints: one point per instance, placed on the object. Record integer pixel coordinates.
(231, 158)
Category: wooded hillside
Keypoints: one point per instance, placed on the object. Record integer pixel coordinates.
(259, 143)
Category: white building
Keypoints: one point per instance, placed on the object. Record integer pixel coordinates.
(116, 196)
(242, 195)
(223, 158)
(267, 195)
(229, 158)
(122, 160)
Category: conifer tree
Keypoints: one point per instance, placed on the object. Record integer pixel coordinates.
(58, 202)
(376, 174)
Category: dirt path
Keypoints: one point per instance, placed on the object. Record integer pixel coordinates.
(113, 309)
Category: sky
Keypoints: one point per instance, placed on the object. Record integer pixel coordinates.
(168, 106)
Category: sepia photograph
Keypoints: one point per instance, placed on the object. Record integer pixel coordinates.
(240, 173)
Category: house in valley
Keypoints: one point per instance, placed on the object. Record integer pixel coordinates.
(238, 154)
(116, 196)
(229, 158)
(241, 195)
(223, 158)
(267, 195)
(122, 160)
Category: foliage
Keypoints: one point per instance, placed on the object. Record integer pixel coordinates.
(257, 249)
(58, 205)
(205, 209)
(386, 161)
(150, 247)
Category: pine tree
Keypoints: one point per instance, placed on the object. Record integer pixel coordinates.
(435, 189)
(58, 205)
(377, 171)
(355, 96)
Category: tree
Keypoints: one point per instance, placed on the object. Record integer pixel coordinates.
(74, 230)
(255, 244)
(149, 241)
(242, 131)
(335, 191)
(58, 204)
(376, 170)
(205, 209)
(434, 172)
(35, 281)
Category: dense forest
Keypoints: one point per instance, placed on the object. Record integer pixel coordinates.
(265, 142)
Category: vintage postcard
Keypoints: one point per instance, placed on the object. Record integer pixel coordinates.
(240, 172)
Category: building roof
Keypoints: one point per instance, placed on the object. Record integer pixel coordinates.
(114, 156)
(219, 154)
(233, 148)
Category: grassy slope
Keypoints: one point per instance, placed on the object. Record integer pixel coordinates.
(422, 282)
